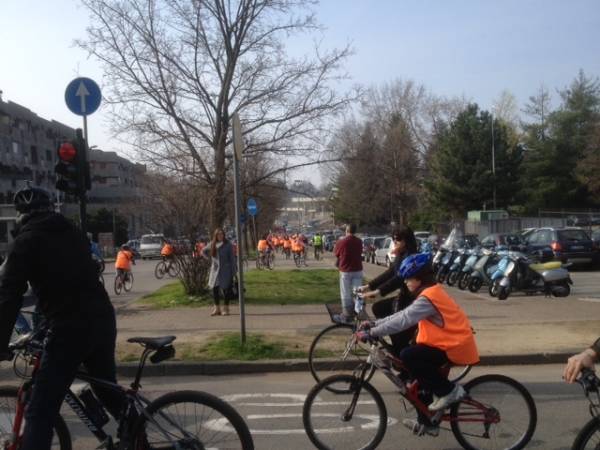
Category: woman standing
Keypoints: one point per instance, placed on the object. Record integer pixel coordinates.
(222, 270)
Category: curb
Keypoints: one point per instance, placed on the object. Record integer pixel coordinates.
(182, 368)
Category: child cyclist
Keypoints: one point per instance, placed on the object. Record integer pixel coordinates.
(444, 336)
(123, 262)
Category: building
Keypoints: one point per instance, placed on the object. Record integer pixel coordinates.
(28, 146)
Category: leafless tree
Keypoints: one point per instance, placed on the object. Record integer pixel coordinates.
(177, 70)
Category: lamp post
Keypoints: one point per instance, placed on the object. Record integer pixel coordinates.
(493, 165)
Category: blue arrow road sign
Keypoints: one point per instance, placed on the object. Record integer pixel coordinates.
(83, 96)
(252, 207)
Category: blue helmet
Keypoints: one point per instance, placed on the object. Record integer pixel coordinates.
(413, 264)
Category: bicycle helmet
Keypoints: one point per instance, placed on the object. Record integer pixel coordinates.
(32, 199)
(414, 264)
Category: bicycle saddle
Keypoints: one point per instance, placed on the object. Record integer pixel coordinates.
(153, 343)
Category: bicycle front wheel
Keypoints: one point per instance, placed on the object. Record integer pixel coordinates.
(338, 351)
(589, 436)
(160, 269)
(353, 418)
(128, 282)
(498, 413)
(191, 419)
(118, 284)
(8, 407)
(173, 269)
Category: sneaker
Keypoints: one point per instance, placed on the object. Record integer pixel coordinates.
(343, 318)
(419, 428)
(454, 396)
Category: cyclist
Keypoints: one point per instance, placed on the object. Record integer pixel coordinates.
(73, 302)
(444, 335)
(124, 260)
(264, 248)
(287, 246)
(298, 246)
(580, 361)
(318, 244)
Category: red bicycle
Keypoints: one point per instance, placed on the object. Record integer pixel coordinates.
(345, 412)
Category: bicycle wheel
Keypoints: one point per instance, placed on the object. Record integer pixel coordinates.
(356, 418)
(191, 419)
(160, 269)
(128, 282)
(342, 354)
(8, 406)
(589, 436)
(271, 262)
(173, 269)
(297, 259)
(118, 284)
(498, 412)
(258, 262)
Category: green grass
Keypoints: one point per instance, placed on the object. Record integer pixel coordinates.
(229, 347)
(293, 287)
(263, 287)
(173, 295)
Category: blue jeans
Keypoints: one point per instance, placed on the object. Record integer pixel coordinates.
(348, 281)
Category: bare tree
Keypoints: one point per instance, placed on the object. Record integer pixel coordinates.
(177, 70)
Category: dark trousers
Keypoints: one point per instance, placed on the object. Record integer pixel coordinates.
(387, 307)
(227, 294)
(424, 362)
(90, 342)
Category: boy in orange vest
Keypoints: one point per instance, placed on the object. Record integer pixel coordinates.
(444, 336)
(124, 260)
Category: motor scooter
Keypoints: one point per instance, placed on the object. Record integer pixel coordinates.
(456, 268)
(482, 270)
(467, 268)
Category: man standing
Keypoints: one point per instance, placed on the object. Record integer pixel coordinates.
(348, 252)
(54, 257)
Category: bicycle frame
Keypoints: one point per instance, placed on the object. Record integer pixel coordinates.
(382, 359)
(132, 396)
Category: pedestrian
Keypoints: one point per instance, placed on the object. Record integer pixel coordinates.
(405, 244)
(54, 256)
(348, 252)
(222, 269)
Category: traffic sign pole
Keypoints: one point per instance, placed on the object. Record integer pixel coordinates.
(238, 145)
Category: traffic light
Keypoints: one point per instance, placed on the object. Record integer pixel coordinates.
(72, 169)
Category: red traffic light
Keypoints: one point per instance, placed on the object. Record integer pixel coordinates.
(67, 152)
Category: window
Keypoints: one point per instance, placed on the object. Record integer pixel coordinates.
(48, 156)
(15, 148)
(545, 237)
(573, 235)
(34, 155)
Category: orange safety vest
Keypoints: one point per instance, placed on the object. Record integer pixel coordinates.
(275, 241)
(297, 246)
(123, 261)
(263, 245)
(455, 337)
(287, 243)
(167, 250)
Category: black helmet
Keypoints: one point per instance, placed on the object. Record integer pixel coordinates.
(32, 199)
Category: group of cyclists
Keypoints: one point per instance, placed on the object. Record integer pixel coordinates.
(290, 245)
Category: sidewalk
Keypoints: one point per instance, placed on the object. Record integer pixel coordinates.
(522, 330)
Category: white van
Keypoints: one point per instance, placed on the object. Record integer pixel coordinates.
(151, 245)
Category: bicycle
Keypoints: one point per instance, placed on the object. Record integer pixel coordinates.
(589, 436)
(123, 281)
(336, 343)
(484, 416)
(166, 266)
(299, 259)
(179, 419)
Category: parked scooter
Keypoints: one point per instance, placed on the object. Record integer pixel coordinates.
(521, 273)
(483, 270)
(467, 268)
(456, 268)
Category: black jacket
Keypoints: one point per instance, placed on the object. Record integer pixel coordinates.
(54, 256)
(388, 281)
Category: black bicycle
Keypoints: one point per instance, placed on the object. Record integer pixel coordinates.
(167, 266)
(186, 420)
(589, 436)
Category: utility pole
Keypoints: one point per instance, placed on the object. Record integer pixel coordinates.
(493, 164)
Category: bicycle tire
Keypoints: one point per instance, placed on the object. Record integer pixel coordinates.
(217, 421)
(258, 262)
(323, 427)
(465, 430)
(118, 284)
(591, 428)
(173, 269)
(128, 283)
(8, 406)
(297, 260)
(159, 270)
(325, 343)
(271, 262)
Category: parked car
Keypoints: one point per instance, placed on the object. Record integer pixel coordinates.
(384, 255)
(151, 245)
(568, 244)
(511, 241)
(596, 238)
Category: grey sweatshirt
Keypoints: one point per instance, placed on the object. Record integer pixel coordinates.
(420, 309)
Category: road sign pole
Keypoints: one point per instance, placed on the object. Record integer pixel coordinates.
(238, 145)
(82, 196)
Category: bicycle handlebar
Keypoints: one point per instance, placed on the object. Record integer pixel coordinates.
(589, 381)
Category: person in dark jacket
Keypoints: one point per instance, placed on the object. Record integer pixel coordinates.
(388, 282)
(53, 255)
(222, 270)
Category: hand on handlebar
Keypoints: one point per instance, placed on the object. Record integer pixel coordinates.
(366, 325)
(362, 288)
(371, 294)
(363, 335)
(576, 363)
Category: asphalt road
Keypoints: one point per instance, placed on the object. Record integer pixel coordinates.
(272, 404)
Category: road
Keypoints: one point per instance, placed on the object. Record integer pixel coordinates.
(272, 406)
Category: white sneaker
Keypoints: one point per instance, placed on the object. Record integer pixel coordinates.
(443, 402)
(419, 428)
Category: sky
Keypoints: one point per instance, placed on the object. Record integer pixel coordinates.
(470, 48)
